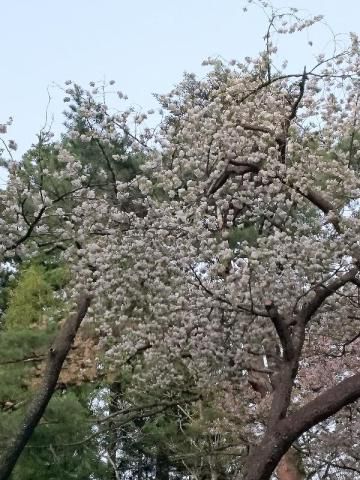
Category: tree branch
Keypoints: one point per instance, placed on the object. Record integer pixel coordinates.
(322, 407)
(56, 357)
(265, 457)
(281, 329)
(325, 291)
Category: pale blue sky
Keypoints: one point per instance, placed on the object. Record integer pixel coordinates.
(145, 45)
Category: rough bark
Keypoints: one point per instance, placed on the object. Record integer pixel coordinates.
(290, 467)
(266, 456)
(280, 388)
(55, 359)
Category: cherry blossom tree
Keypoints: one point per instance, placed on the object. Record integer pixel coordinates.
(228, 268)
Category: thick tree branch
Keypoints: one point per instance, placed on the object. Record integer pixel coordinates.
(322, 407)
(281, 329)
(56, 357)
(325, 291)
(265, 457)
(324, 205)
(319, 201)
(231, 168)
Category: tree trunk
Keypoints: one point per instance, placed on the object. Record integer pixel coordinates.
(56, 357)
(290, 463)
(115, 394)
(266, 456)
(290, 466)
(162, 466)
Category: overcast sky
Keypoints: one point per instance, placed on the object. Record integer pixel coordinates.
(145, 45)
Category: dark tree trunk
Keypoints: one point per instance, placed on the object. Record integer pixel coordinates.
(290, 466)
(162, 466)
(56, 357)
(266, 456)
(115, 397)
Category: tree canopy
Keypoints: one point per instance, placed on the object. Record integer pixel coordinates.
(215, 259)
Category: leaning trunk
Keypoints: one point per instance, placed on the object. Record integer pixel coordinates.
(56, 357)
(265, 457)
(290, 466)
